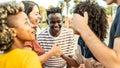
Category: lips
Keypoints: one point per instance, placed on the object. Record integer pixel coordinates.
(33, 32)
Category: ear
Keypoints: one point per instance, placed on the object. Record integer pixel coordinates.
(13, 31)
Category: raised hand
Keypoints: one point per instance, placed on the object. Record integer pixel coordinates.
(79, 22)
(56, 50)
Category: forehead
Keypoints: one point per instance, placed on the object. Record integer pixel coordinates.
(35, 9)
(54, 16)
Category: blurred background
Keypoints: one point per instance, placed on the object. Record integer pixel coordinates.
(67, 7)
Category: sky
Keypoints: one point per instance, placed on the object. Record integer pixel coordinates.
(46, 3)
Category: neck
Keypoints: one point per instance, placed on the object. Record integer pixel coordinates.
(54, 34)
(17, 44)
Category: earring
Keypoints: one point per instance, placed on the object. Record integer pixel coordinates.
(14, 35)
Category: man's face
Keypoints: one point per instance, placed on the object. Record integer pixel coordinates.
(110, 1)
(54, 22)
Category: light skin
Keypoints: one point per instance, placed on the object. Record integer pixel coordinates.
(34, 17)
(110, 58)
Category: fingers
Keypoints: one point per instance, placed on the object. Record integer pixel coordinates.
(56, 50)
(55, 45)
(86, 17)
(77, 15)
(82, 66)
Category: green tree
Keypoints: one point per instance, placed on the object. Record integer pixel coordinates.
(91, 0)
(51, 6)
(61, 5)
(110, 10)
(67, 5)
(76, 1)
(43, 14)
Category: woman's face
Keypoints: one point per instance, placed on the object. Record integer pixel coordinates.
(34, 16)
(23, 28)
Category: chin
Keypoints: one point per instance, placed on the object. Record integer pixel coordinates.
(33, 38)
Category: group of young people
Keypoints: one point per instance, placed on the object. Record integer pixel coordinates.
(55, 46)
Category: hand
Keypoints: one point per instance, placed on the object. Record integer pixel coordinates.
(56, 50)
(79, 22)
(82, 66)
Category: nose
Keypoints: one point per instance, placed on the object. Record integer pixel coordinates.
(56, 24)
(39, 16)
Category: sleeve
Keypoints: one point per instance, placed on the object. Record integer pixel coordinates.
(32, 61)
(117, 33)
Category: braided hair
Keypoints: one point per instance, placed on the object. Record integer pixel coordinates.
(97, 17)
(6, 9)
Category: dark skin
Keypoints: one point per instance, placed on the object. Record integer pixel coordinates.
(54, 22)
(70, 61)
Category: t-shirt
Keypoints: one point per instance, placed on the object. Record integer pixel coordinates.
(115, 28)
(19, 58)
(66, 42)
(84, 49)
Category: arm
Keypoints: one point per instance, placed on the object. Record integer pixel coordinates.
(108, 57)
(55, 51)
(44, 57)
(70, 60)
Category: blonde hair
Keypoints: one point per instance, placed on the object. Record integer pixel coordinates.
(7, 9)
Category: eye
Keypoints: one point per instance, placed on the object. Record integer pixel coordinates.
(53, 22)
(27, 22)
(37, 14)
(59, 21)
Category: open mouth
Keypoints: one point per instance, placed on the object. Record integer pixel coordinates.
(56, 28)
(34, 32)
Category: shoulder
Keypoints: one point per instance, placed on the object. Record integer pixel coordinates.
(44, 31)
(66, 30)
(30, 59)
(23, 53)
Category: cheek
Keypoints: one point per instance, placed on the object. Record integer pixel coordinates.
(23, 32)
(60, 25)
(33, 19)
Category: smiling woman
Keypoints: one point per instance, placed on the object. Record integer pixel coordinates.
(15, 29)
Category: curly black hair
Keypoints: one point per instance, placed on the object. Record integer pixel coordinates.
(54, 10)
(97, 17)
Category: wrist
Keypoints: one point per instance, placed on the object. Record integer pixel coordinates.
(51, 53)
